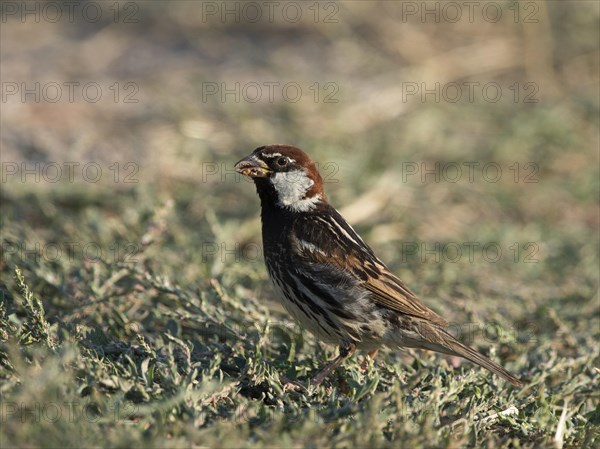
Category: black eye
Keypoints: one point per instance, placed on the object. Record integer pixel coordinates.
(282, 161)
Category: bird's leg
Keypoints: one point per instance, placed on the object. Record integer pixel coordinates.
(370, 356)
(345, 352)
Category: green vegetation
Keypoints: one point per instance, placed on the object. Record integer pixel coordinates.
(139, 314)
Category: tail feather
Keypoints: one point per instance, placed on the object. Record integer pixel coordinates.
(441, 341)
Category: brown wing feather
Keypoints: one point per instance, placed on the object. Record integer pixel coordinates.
(390, 292)
(355, 256)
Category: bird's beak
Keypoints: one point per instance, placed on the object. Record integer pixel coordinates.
(253, 167)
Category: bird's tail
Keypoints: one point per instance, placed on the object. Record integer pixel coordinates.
(437, 339)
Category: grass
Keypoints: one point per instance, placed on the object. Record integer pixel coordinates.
(169, 340)
(139, 314)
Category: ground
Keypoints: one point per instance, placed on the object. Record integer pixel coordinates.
(135, 308)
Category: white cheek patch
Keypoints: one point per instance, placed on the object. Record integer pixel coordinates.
(306, 204)
(291, 188)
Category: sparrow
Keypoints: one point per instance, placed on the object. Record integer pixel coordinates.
(328, 278)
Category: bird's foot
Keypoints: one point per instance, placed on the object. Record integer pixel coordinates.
(293, 385)
(346, 351)
(370, 357)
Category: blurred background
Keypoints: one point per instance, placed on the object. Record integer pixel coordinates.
(436, 125)
(116, 108)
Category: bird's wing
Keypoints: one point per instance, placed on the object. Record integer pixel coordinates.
(326, 240)
(389, 291)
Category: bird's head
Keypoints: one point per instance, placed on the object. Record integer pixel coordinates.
(285, 176)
